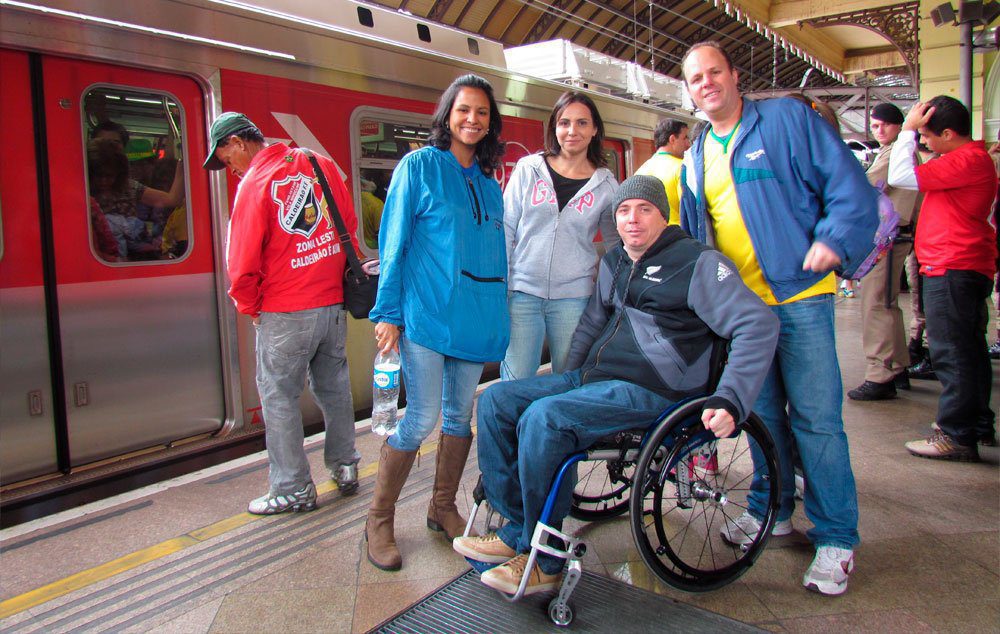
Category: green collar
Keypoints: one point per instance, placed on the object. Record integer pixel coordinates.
(724, 141)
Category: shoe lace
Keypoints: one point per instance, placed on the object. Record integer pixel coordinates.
(828, 557)
(517, 565)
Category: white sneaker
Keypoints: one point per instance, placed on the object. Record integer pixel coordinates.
(829, 570)
(743, 530)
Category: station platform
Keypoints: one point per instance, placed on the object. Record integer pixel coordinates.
(184, 556)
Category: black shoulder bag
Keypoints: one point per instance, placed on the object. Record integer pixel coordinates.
(359, 287)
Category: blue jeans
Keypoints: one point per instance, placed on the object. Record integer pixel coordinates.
(435, 383)
(532, 320)
(291, 346)
(528, 427)
(801, 403)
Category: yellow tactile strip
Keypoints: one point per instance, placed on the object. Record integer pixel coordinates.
(88, 577)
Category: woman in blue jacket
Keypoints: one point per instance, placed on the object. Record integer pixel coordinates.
(441, 300)
(554, 203)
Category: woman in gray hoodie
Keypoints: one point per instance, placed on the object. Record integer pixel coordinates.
(554, 204)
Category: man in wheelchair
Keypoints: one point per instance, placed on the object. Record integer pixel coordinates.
(644, 343)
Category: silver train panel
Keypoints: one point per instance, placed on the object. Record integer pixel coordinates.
(142, 363)
(27, 440)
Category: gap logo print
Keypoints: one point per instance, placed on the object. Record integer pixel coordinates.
(542, 193)
(299, 207)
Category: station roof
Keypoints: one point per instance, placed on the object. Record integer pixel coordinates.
(773, 43)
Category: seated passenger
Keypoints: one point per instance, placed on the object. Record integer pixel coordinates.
(643, 343)
(118, 194)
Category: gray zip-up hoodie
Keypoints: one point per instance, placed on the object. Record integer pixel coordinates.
(551, 253)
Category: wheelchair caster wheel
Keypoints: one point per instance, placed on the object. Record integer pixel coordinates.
(560, 614)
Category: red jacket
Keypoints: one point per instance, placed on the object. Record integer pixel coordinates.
(282, 250)
(953, 230)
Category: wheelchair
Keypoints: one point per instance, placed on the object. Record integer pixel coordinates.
(680, 485)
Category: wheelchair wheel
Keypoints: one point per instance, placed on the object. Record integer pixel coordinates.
(602, 489)
(679, 507)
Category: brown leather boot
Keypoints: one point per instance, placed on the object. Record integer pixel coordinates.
(442, 514)
(393, 469)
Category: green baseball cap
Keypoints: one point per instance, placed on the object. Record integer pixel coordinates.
(228, 124)
(139, 149)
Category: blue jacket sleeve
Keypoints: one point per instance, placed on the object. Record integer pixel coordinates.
(849, 214)
(393, 243)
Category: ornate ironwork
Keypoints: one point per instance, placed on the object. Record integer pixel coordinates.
(898, 23)
(543, 23)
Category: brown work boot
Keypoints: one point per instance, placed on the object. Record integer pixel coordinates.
(393, 469)
(442, 514)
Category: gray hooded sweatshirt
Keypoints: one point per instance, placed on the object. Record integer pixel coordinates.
(551, 253)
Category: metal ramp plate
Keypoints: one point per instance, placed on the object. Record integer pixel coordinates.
(599, 604)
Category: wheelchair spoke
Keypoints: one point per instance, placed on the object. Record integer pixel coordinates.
(688, 499)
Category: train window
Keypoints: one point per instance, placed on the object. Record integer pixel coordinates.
(365, 17)
(424, 32)
(135, 179)
(380, 141)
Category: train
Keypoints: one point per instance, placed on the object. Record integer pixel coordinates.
(109, 356)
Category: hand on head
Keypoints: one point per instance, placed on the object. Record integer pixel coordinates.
(918, 116)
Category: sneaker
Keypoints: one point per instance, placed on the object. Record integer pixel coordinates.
(743, 530)
(302, 500)
(507, 577)
(488, 548)
(346, 477)
(994, 350)
(829, 570)
(872, 391)
(986, 439)
(941, 446)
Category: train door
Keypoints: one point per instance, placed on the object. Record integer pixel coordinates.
(27, 418)
(130, 251)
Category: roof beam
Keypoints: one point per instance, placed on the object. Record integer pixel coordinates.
(795, 11)
(873, 61)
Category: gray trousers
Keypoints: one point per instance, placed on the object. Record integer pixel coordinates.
(290, 347)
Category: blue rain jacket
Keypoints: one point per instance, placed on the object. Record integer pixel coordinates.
(444, 259)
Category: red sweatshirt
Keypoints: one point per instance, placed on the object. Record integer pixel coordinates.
(953, 230)
(282, 250)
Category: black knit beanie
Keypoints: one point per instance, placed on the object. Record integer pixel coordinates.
(648, 188)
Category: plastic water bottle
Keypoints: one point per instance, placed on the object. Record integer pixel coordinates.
(385, 392)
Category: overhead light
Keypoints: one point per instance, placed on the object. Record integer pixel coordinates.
(943, 14)
(145, 29)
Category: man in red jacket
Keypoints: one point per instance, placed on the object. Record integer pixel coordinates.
(286, 269)
(957, 251)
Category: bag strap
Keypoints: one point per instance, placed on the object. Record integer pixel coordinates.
(338, 221)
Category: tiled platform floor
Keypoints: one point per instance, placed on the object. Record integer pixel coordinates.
(187, 559)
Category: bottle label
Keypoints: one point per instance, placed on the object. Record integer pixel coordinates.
(386, 378)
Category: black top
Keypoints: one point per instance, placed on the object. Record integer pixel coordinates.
(566, 188)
